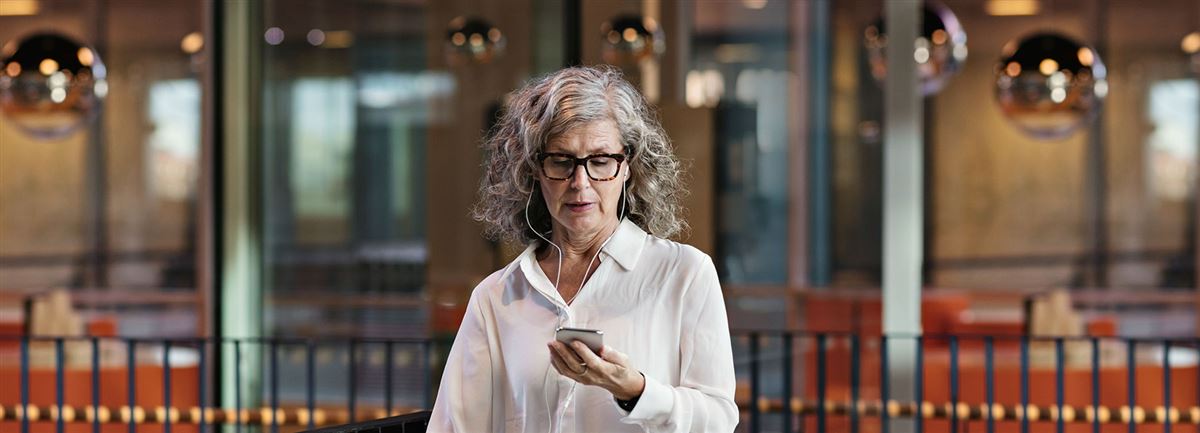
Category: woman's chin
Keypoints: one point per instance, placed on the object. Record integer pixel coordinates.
(585, 223)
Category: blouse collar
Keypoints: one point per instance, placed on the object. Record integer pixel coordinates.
(625, 248)
(626, 245)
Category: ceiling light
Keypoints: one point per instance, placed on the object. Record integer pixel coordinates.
(18, 7)
(1001, 8)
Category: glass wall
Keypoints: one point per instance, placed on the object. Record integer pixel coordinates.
(739, 66)
(346, 104)
(371, 121)
(371, 114)
(347, 101)
(1109, 205)
(107, 209)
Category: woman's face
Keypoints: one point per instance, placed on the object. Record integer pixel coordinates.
(580, 206)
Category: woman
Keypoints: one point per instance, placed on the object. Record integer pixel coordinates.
(579, 169)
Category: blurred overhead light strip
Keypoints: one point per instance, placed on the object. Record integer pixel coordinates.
(737, 53)
(18, 7)
(754, 4)
(1012, 7)
(338, 39)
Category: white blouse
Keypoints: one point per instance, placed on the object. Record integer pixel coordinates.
(656, 300)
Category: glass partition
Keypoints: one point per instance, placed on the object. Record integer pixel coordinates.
(1108, 205)
(109, 209)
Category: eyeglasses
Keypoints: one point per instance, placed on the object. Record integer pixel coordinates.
(600, 167)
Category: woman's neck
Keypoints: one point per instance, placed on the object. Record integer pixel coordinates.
(580, 246)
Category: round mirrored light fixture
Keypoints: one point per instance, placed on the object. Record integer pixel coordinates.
(50, 85)
(939, 51)
(473, 40)
(1049, 85)
(628, 39)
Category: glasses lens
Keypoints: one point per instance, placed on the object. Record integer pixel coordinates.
(558, 167)
(602, 167)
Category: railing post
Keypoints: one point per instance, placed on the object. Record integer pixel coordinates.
(855, 379)
(989, 371)
(96, 385)
(787, 382)
(954, 383)
(1095, 385)
(754, 414)
(1167, 385)
(237, 386)
(821, 371)
(201, 389)
(166, 360)
(387, 377)
(1059, 385)
(310, 393)
(919, 416)
(24, 409)
(1131, 372)
(884, 378)
(273, 346)
(353, 366)
(59, 425)
(131, 367)
(1024, 384)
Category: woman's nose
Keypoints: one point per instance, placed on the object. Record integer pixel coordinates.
(579, 179)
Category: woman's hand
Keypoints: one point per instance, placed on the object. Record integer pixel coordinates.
(610, 370)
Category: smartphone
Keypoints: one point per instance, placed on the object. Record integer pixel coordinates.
(592, 338)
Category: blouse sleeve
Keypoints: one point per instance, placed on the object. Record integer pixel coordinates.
(703, 401)
(464, 400)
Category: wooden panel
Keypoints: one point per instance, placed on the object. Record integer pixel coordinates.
(691, 131)
(459, 256)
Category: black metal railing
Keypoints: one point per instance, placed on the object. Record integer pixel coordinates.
(300, 384)
(952, 410)
(788, 381)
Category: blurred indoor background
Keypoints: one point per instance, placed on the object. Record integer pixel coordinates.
(303, 169)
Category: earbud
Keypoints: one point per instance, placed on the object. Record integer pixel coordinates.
(562, 309)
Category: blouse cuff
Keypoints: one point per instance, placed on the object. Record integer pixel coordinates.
(654, 405)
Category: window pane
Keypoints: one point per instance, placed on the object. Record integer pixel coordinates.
(739, 67)
(1109, 205)
(347, 100)
(110, 210)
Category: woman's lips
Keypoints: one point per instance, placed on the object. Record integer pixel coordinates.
(580, 207)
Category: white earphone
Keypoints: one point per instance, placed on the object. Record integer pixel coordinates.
(557, 425)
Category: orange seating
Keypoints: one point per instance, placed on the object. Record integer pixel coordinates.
(863, 314)
(77, 391)
(944, 314)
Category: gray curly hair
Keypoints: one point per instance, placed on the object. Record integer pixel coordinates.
(552, 105)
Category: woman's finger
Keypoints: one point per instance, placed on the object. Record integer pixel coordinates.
(569, 372)
(559, 365)
(584, 353)
(612, 355)
(568, 356)
(570, 365)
